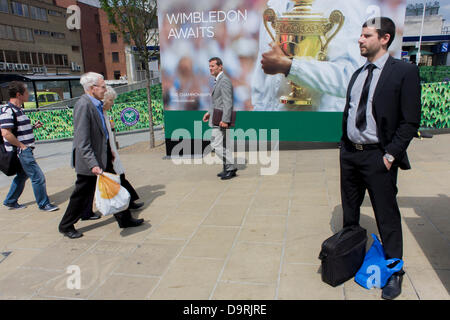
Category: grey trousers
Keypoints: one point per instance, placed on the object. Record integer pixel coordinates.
(221, 145)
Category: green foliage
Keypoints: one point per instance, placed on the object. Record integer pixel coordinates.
(435, 105)
(434, 73)
(58, 124)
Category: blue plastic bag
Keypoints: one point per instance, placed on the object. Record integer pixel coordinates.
(374, 271)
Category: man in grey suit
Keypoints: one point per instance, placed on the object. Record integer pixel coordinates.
(91, 155)
(222, 98)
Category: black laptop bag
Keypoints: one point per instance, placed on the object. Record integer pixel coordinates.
(343, 254)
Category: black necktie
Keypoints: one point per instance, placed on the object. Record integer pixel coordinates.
(361, 122)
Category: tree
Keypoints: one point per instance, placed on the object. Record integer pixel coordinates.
(137, 21)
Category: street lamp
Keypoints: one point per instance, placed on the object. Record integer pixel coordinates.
(421, 31)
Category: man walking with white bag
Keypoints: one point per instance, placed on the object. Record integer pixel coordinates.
(91, 155)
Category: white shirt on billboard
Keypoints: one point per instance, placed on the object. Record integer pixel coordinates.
(326, 78)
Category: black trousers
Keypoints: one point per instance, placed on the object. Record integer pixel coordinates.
(365, 170)
(80, 203)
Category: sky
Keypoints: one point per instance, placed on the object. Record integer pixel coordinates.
(444, 10)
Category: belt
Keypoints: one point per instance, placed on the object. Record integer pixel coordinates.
(362, 147)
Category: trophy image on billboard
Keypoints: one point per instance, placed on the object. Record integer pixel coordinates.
(303, 33)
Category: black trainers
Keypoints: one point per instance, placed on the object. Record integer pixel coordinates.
(49, 207)
(15, 206)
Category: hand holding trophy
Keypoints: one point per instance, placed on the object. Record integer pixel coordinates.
(300, 33)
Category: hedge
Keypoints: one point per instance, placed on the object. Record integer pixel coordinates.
(436, 105)
(58, 124)
(434, 73)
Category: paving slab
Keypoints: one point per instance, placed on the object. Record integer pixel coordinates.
(252, 237)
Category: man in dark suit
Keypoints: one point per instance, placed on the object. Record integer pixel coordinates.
(91, 155)
(381, 116)
(222, 99)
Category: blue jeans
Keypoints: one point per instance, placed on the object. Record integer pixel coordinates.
(30, 169)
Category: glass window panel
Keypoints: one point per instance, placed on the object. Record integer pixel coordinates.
(11, 56)
(77, 88)
(4, 6)
(54, 90)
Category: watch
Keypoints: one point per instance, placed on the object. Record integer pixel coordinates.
(389, 157)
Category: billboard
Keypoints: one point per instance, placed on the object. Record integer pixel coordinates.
(319, 37)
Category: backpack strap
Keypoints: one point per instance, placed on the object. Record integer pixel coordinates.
(14, 129)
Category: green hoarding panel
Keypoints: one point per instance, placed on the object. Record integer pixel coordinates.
(292, 126)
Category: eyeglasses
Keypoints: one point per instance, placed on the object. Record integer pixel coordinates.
(104, 87)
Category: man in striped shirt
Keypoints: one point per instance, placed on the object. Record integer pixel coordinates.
(18, 136)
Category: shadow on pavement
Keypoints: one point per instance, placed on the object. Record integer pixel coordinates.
(435, 245)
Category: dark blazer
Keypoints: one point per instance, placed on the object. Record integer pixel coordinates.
(396, 108)
(89, 147)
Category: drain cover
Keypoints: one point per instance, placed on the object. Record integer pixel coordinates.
(4, 255)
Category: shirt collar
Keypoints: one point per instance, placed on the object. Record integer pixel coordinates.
(97, 103)
(218, 76)
(381, 61)
(12, 105)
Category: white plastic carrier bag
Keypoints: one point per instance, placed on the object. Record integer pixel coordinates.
(110, 196)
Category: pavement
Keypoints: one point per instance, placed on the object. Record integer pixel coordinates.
(254, 237)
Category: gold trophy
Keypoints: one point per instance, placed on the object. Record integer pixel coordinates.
(303, 33)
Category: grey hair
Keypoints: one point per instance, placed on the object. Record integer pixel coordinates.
(110, 93)
(89, 79)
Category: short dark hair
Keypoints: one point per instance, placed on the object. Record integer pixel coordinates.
(16, 87)
(384, 25)
(217, 60)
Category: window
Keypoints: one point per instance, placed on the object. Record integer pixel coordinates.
(38, 60)
(115, 57)
(23, 34)
(4, 6)
(117, 75)
(75, 48)
(65, 60)
(96, 19)
(6, 32)
(2, 57)
(59, 60)
(113, 37)
(38, 13)
(25, 57)
(99, 38)
(54, 13)
(42, 33)
(58, 35)
(19, 9)
(34, 59)
(11, 56)
(48, 59)
(100, 57)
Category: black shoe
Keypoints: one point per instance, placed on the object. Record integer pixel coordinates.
(130, 223)
(221, 174)
(229, 175)
(135, 205)
(393, 288)
(15, 206)
(49, 207)
(93, 217)
(72, 234)
(125, 220)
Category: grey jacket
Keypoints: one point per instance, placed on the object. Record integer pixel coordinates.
(89, 140)
(222, 98)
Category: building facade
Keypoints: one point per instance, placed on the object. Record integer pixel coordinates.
(435, 39)
(34, 39)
